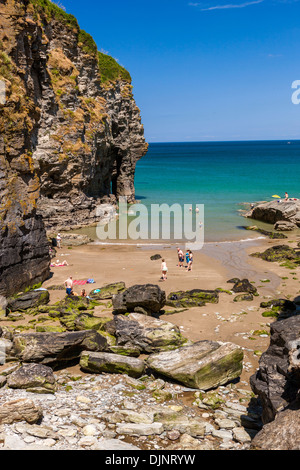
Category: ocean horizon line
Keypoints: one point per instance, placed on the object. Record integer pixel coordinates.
(221, 141)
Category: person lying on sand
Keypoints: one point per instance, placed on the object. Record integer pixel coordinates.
(58, 263)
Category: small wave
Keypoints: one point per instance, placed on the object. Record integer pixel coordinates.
(183, 242)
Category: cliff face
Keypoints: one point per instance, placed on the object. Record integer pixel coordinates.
(71, 134)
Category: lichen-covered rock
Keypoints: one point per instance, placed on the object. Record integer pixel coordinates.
(35, 378)
(30, 300)
(146, 333)
(56, 348)
(203, 365)
(111, 363)
(149, 297)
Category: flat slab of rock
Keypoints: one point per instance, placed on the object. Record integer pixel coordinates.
(33, 377)
(192, 298)
(133, 429)
(147, 333)
(20, 410)
(94, 362)
(56, 348)
(203, 365)
(108, 291)
(29, 300)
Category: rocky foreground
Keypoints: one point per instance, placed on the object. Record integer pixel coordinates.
(74, 380)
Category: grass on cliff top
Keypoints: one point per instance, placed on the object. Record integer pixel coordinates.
(110, 70)
(54, 11)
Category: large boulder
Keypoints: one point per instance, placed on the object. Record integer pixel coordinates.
(56, 348)
(275, 211)
(35, 378)
(95, 362)
(281, 434)
(146, 333)
(192, 298)
(277, 381)
(203, 365)
(29, 300)
(150, 298)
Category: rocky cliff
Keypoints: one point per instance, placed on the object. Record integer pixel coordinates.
(71, 134)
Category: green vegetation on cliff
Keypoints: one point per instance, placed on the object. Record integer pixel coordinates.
(51, 10)
(110, 70)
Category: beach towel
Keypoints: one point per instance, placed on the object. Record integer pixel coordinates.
(79, 283)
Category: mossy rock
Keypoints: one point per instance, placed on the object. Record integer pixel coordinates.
(279, 304)
(49, 329)
(243, 298)
(279, 253)
(193, 298)
(125, 351)
(108, 291)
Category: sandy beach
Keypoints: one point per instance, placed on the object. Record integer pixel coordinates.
(241, 323)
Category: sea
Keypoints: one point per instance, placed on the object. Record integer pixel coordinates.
(223, 178)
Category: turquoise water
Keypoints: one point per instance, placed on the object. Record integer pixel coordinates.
(220, 175)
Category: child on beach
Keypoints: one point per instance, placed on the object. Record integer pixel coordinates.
(164, 270)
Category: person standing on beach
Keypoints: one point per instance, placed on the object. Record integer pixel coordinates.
(164, 270)
(69, 285)
(187, 258)
(58, 240)
(190, 264)
(180, 257)
(286, 196)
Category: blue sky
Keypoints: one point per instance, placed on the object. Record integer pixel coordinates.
(208, 70)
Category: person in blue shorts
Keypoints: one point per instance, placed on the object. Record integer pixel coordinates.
(69, 285)
(187, 257)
